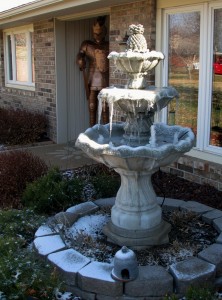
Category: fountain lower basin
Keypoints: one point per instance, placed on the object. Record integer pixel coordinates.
(136, 218)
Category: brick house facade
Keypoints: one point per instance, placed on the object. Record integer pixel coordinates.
(44, 97)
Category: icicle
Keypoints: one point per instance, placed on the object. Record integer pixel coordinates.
(153, 136)
(158, 113)
(100, 105)
(110, 118)
(175, 138)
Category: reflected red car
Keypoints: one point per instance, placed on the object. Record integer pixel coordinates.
(218, 63)
(217, 68)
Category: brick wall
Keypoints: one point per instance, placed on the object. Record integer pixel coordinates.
(43, 99)
(45, 81)
(143, 12)
(197, 170)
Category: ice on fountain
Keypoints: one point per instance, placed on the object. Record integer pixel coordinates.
(136, 55)
(153, 136)
(175, 138)
(100, 139)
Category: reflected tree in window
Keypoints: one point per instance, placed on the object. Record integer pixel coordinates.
(183, 68)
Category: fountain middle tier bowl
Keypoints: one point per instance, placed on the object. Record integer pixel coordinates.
(136, 101)
(169, 144)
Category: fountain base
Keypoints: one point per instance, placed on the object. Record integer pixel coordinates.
(138, 239)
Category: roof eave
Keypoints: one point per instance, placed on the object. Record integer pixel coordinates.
(42, 9)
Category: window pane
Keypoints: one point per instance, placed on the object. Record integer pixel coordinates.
(21, 51)
(184, 40)
(216, 103)
(9, 48)
(32, 55)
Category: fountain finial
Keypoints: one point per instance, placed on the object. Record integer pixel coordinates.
(136, 41)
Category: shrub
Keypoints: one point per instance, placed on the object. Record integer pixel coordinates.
(52, 192)
(105, 185)
(21, 127)
(22, 274)
(17, 168)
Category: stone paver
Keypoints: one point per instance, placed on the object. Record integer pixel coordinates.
(105, 202)
(217, 223)
(219, 239)
(152, 281)
(211, 215)
(195, 207)
(96, 278)
(213, 254)
(48, 244)
(83, 209)
(193, 271)
(66, 218)
(64, 156)
(44, 230)
(172, 204)
(69, 263)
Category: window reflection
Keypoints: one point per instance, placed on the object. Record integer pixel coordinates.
(184, 41)
(216, 103)
(9, 47)
(21, 57)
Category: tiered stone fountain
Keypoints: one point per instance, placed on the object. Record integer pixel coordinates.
(137, 148)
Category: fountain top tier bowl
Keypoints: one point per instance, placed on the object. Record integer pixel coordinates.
(137, 60)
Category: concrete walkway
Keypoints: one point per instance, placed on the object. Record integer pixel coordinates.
(64, 156)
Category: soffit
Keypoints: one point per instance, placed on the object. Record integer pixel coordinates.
(61, 9)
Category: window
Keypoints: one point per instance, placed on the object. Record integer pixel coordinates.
(215, 137)
(193, 48)
(19, 58)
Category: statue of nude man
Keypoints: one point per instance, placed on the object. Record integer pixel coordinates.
(94, 54)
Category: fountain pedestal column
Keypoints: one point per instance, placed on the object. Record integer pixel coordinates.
(136, 218)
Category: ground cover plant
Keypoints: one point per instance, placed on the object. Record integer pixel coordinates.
(19, 127)
(197, 293)
(22, 273)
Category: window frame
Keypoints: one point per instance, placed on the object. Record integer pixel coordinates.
(206, 11)
(14, 83)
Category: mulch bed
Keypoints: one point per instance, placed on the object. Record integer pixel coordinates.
(172, 186)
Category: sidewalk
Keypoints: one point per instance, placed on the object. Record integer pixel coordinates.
(64, 156)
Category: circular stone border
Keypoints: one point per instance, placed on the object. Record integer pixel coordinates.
(92, 280)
